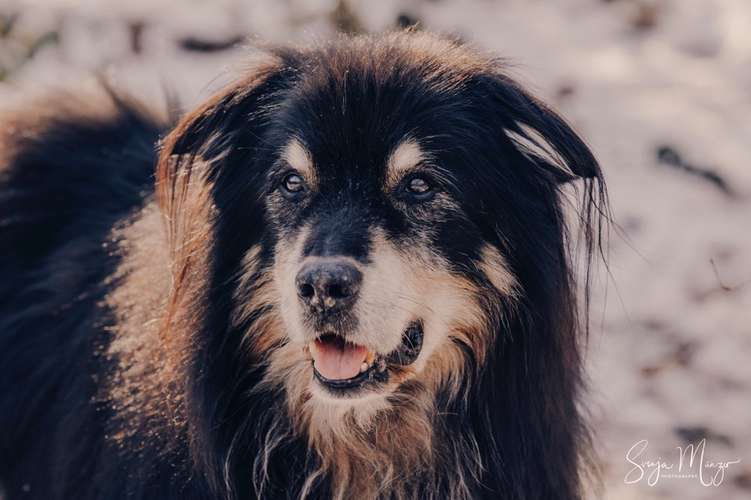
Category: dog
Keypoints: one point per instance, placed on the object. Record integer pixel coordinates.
(348, 274)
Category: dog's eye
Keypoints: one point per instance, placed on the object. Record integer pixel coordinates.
(293, 184)
(419, 188)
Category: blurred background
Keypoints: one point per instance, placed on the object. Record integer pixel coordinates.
(661, 89)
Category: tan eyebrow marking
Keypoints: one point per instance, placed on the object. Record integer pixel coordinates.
(299, 158)
(404, 158)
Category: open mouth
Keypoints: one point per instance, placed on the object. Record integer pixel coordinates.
(342, 365)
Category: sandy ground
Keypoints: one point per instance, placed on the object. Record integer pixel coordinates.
(662, 92)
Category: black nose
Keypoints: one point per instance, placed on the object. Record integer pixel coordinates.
(329, 285)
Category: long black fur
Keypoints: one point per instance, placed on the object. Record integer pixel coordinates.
(64, 188)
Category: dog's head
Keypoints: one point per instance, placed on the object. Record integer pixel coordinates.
(370, 214)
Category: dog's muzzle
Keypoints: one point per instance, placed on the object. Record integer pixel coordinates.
(328, 288)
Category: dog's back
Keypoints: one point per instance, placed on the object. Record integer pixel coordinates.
(70, 170)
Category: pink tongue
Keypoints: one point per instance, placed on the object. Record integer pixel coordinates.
(339, 362)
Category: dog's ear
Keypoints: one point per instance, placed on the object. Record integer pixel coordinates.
(538, 132)
(192, 159)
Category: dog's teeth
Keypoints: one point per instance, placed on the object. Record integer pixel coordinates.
(363, 367)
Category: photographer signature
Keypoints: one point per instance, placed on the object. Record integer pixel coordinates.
(691, 464)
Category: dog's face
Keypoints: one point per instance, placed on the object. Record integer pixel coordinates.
(377, 262)
(378, 208)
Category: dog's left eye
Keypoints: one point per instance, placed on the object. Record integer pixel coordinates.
(419, 187)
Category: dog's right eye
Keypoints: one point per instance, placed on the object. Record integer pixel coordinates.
(419, 188)
(293, 185)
